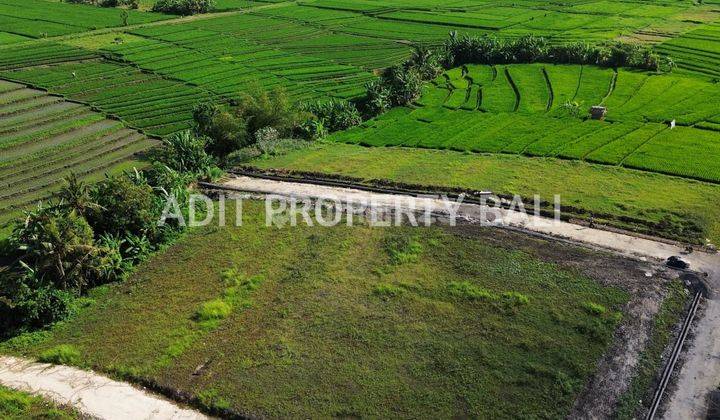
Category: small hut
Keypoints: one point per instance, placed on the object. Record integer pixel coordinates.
(598, 112)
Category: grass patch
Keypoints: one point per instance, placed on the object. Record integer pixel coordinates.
(16, 405)
(64, 354)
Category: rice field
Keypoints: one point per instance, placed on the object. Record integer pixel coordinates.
(524, 109)
(44, 138)
(43, 19)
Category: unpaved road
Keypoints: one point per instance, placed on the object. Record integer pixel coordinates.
(701, 371)
(91, 394)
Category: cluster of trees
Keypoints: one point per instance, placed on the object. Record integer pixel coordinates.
(130, 4)
(261, 118)
(486, 49)
(92, 235)
(184, 7)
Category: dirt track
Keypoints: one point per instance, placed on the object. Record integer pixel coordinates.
(91, 394)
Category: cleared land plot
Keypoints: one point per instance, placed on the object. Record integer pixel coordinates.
(509, 109)
(44, 141)
(373, 322)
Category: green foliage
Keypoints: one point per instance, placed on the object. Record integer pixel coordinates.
(488, 49)
(387, 291)
(124, 206)
(594, 308)
(211, 400)
(183, 7)
(64, 354)
(261, 108)
(312, 129)
(184, 152)
(212, 311)
(16, 405)
(226, 131)
(403, 249)
(333, 114)
(468, 291)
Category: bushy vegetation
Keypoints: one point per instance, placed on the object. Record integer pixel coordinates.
(183, 7)
(92, 235)
(132, 4)
(16, 405)
(488, 49)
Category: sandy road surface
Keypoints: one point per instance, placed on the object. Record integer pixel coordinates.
(91, 394)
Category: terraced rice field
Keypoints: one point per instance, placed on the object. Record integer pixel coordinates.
(143, 100)
(43, 138)
(696, 52)
(522, 109)
(41, 19)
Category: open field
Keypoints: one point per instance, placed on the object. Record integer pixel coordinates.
(428, 317)
(45, 138)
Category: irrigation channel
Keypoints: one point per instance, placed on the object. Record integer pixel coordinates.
(670, 365)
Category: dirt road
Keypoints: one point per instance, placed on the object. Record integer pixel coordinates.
(91, 394)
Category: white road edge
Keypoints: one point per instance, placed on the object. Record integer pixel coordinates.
(701, 372)
(89, 393)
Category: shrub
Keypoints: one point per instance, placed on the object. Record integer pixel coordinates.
(185, 152)
(63, 354)
(428, 62)
(213, 310)
(335, 115)
(594, 308)
(387, 291)
(58, 250)
(515, 299)
(468, 291)
(266, 134)
(262, 108)
(377, 97)
(225, 131)
(183, 7)
(125, 207)
(312, 129)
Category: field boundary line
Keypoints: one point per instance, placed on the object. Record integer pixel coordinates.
(611, 87)
(514, 88)
(622, 161)
(551, 93)
(579, 82)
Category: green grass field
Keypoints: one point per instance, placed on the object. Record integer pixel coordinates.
(15, 405)
(351, 321)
